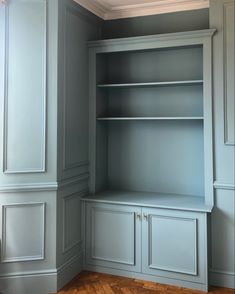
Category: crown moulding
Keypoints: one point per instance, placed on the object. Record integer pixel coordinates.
(110, 9)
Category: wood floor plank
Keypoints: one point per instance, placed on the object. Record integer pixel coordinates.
(96, 283)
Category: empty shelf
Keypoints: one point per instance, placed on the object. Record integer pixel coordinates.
(153, 118)
(152, 84)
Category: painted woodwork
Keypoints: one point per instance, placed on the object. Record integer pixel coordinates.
(222, 266)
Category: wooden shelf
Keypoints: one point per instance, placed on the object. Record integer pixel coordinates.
(152, 84)
(152, 118)
(156, 200)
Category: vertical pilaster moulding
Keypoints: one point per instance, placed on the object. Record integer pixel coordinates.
(208, 122)
(92, 117)
(229, 71)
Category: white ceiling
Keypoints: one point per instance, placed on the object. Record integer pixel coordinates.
(113, 9)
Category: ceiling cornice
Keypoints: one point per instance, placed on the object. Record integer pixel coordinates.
(107, 11)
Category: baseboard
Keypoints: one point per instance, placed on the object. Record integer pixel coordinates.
(222, 279)
(140, 276)
(69, 270)
(41, 282)
(27, 283)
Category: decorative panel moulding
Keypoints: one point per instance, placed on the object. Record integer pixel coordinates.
(229, 87)
(23, 240)
(25, 86)
(83, 177)
(26, 187)
(71, 234)
(74, 139)
(114, 9)
(224, 186)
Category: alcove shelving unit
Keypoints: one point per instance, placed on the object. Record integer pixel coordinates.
(150, 148)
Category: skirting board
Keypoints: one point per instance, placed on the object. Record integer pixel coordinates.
(41, 282)
(222, 279)
(36, 283)
(69, 270)
(161, 280)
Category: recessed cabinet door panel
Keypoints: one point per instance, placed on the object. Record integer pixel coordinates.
(113, 236)
(174, 245)
(166, 231)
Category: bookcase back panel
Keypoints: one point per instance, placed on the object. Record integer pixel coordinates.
(153, 101)
(163, 156)
(152, 65)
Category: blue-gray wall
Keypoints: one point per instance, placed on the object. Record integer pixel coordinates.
(222, 17)
(76, 27)
(28, 151)
(44, 154)
(156, 24)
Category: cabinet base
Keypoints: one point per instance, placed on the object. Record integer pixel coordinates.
(140, 276)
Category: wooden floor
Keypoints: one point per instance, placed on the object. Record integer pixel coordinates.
(95, 283)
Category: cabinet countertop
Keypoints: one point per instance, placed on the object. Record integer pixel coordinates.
(154, 200)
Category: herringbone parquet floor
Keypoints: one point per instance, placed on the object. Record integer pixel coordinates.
(95, 283)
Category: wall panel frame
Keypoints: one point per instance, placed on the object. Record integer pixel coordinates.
(21, 82)
(13, 242)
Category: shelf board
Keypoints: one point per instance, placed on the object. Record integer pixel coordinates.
(156, 200)
(152, 84)
(152, 118)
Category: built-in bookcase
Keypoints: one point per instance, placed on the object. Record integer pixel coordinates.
(150, 116)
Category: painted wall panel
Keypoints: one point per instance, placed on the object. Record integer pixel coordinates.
(69, 229)
(25, 87)
(23, 240)
(223, 239)
(30, 240)
(222, 17)
(229, 71)
(33, 143)
(28, 98)
(72, 221)
(27, 222)
(76, 27)
(222, 271)
(75, 137)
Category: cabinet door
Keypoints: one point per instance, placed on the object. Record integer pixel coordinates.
(174, 245)
(113, 236)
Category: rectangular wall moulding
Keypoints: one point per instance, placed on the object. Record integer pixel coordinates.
(71, 216)
(17, 247)
(229, 61)
(74, 120)
(25, 86)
